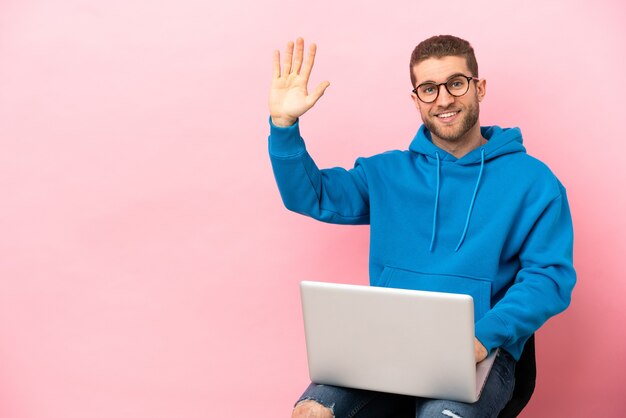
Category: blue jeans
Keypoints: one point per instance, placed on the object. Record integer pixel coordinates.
(357, 403)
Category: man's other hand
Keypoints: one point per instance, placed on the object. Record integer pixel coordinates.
(289, 97)
(480, 352)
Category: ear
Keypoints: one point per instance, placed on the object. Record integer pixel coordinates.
(415, 101)
(481, 89)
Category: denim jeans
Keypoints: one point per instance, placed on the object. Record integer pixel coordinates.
(357, 403)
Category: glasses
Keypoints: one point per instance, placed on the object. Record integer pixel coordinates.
(457, 86)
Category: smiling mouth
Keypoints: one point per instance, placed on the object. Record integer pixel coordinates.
(447, 115)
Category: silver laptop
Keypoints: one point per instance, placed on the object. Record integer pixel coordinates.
(400, 341)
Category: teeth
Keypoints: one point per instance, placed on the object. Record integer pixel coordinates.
(447, 115)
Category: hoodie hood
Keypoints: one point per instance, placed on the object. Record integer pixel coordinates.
(499, 142)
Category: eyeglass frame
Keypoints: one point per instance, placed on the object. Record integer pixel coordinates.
(445, 84)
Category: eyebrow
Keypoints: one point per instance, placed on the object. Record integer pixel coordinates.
(447, 79)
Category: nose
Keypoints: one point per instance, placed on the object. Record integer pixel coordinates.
(444, 99)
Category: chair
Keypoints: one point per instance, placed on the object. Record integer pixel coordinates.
(525, 377)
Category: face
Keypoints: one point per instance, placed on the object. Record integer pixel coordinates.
(449, 118)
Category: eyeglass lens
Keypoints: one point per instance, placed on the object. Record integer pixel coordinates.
(456, 86)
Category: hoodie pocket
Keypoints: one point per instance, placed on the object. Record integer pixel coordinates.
(478, 288)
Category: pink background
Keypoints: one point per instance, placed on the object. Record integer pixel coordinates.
(147, 266)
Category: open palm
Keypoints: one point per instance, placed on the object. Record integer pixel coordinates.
(289, 96)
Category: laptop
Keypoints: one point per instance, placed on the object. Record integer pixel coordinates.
(407, 342)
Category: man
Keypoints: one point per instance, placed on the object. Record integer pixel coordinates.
(463, 210)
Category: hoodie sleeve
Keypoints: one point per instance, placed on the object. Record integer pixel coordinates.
(544, 284)
(331, 195)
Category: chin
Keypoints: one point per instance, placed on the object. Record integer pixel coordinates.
(456, 132)
(450, 134)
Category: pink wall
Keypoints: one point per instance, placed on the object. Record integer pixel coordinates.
(147, 266)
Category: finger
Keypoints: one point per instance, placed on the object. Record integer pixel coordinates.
(297, 61)
(276, 73)
(288, 58)
(308, 66)
(318, 92)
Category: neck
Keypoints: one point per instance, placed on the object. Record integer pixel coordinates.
(459, 147)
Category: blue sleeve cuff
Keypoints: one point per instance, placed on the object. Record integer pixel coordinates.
(285, 142)
(491, 331)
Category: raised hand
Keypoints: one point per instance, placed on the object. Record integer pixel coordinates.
(289, 96)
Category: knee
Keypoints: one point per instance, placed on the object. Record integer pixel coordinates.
(311, 409)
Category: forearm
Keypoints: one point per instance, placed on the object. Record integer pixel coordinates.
(332, 195)
(544, 284)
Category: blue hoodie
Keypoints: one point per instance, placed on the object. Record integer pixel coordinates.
(494, 224)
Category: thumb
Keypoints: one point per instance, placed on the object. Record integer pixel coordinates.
(319, 91)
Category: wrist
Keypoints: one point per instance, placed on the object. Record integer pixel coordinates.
(283, 122)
